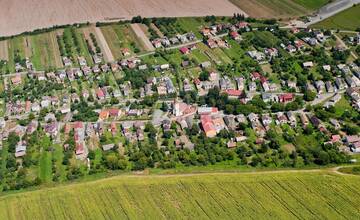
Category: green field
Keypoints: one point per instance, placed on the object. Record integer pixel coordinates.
(312, 4)
(346, 20)
(279, 8)
(45, 51)
(297, 195)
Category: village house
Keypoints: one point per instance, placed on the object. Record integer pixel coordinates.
(125, 52)
(292, 118)
(16, 80)
(308, 64)
(82, 61)
(20, 149)
(97, 58)
(329, 87)
(304, 119)
(108, 147)
(353, 142)
(67, 62)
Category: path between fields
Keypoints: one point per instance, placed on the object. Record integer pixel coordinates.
(108, 56)
(334, 170)
(143, 174)
(140, 34)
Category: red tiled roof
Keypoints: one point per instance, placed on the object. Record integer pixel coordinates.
(233, 92)
(184, 50)
(78, 124)
(114, 112)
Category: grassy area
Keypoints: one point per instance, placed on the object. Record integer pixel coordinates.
(342, 106)
(83, 48)
(346, 20)
(44, 55)
(112, 40)
(119, 37)
(45, 167)
(277, 8)
(313, 4)
(350, 170)
(15, 48)
(213, 196)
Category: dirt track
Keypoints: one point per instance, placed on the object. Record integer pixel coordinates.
(17, 16)
(108, 56)
(142, 36)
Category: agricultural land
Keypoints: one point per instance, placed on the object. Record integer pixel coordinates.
(18, 16)
(151, 102)
(279, 8)
(346, 20)
(212, 196)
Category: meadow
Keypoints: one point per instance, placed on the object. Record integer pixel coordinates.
(346, 20)
(280, 195)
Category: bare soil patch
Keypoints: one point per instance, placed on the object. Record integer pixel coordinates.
(156, 29)
(17, 16)
(108, 56)
(87, 31)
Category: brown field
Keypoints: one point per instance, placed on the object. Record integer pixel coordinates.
(17, 16)
(4, 53)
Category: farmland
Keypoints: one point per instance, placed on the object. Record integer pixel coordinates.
(46, 51)
(278, 8)
(346, 20)
(69, 12)
(283, 195)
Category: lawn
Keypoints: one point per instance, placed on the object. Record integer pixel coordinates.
(346, 20)
(342, 106)
(312, 195)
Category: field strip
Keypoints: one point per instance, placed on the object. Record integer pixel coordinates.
(55, 46)
(81, 11)
(4, 53)
(279, 194)
(156, 29)
(27, 47)
(141, 35)
(87, 31)
(108, 56)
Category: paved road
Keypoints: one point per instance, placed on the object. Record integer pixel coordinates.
(332, 9)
